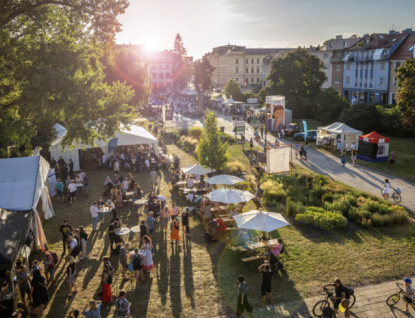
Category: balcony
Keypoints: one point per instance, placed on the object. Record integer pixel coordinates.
(335, 59)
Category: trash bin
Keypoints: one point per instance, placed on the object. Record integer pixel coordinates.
(222, 129)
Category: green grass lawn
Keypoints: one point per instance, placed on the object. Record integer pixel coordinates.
(199, 280)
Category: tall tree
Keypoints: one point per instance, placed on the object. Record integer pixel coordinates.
(203, 78)
(298, 76)
(50, 70)
(211, 151)
(405, 96)
(233, 89)
(180, 65)
(124, 64)
(330, 105)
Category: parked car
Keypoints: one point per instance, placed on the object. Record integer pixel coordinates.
(291, 129)
(311, 135)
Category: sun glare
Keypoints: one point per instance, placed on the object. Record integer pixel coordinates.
(152, 43)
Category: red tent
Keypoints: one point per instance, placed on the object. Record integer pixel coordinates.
(374, 138)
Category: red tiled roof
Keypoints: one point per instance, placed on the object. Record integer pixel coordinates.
(379, 40)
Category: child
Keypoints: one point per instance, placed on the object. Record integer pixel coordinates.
(185, 222)
(175, 230)
(409, 293)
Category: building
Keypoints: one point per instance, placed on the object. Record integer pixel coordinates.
(366, 67)
(161, 69)
(239, 63)
(405, 51)
(331, 54)
(266, 65)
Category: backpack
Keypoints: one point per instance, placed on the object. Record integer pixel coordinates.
(328, 312)
(137, 261)
(55, 257)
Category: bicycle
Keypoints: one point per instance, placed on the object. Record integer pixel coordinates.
(394, 299)
(395, 195)
(320, 305)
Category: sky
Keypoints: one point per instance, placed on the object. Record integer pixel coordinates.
(205, 24)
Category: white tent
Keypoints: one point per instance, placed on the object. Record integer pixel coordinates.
(135, 136)
(347, 134)
(197, 169)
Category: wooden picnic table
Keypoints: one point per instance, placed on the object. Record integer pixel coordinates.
(228, 221)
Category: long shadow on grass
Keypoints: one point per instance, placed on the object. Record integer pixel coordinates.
(175, 297)
(188, 271)
(162, 264)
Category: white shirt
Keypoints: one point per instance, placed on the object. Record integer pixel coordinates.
(232, 214)
(122, 156)
(112, 206)
(161, 198)
(190, 183)
(116, 166)
(352, 146)
(190, 196)
(147, 163)
(73, 243)
(94, 211)
(125, 183)
(72, 187)
(104, 158)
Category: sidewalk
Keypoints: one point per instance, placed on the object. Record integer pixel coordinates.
(370, 302)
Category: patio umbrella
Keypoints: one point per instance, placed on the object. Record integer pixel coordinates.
(229, 196)
(197, 169)
(224, 179)
(260, 221)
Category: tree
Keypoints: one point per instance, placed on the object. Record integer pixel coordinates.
(330, 106)
(125, 65)
(180, 65)
(233, 89)
(363, 117)
(203, 77)
(298, 77)
(405, 96)
(50, 71)
(211, 151)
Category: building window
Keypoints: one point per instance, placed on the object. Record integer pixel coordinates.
(236, 61)
(257, 60)
(381, 80)
(344, 43)
(337, 80)
(236, 69)
(347, 79)
(167, 75)
(246, 61)
(257, 80)
(326, 55)
(382, 65)
(257, 69)
(246, 80)
(167, 66)
(161, 75)
(246, 70)
(252, 70)
(348, 66)
(252, 61)
(237, 79)
(252, 79)
(154, 75)
(337, 67)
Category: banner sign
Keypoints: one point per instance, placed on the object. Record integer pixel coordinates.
(305, 129)
(240, 127)
(52, 182)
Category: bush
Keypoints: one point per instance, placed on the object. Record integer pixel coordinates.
(371, 206)
(313, 200)
(363, 214)
(327, 197)
(366, 222)
(385, 209)
(399, 217)
(317, 190)
(278, 195)
(341, 205)
(327, 220)
(307, 218)
(304, 177)
(195, 132)
(235, 167)
(378, 220)
(314, 209)
(294, 208)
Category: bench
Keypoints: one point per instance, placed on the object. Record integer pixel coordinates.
(248, 260)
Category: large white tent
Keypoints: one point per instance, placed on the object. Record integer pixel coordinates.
(135, 136)
(347, 134)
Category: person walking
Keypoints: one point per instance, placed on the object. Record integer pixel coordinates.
(137, 259)
(174, 211)
(39, 292)
(122, 306)
(266, 274)
(409, 293)
(175, 230)
(262, 132)
(148, 257)
(94, 310)
(386, 189)
(153, 179)
(49, 267)
(59, 190)
(305, 149)
(243, 141)
(185, 222)
(22, 279)
(72, 191)
(150, 223)
(86, 184)
(71, 168)
(64, 230)
(251, 144)
(342, 296)
(70, 275)
(94, 213)
(123, 259)
(353, 156)
(343, 156)
(165, 218)
(106, 281)
(242, 297)
(392, 158)
(83, 236)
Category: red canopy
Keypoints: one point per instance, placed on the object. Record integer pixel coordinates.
(374, 138)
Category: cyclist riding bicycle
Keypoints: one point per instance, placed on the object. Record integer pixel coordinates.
(342, 296)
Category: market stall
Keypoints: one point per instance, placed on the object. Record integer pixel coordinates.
(339, 131)
(373, 147)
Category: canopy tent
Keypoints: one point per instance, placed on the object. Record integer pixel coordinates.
(189, 92)
(135, 136)
(197, 169)
(373, 147)
(347, 134)
(23, 194)
(155, 102)
(60, 130)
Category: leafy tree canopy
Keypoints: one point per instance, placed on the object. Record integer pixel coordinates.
(211, 151)
(51, 70)
(233, 89)
(298, 76)
(405, 96)
(180, 65)
(330, 105)
(203, 75)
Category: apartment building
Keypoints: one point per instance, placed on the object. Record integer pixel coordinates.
(331, 54)
(366, 67)
(161, 69)
(238, 62)
(405, 51)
